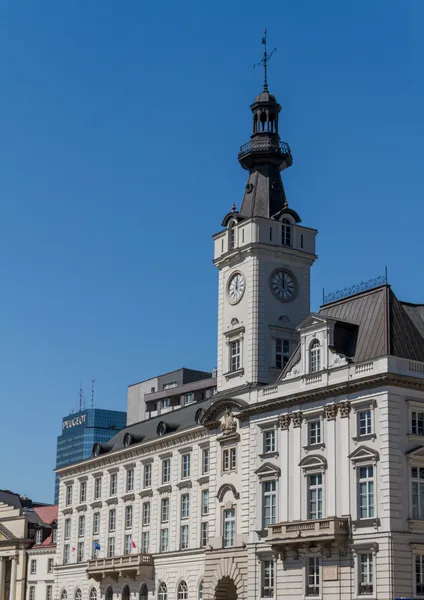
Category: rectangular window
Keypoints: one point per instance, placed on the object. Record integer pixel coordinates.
(170, 385)
(364, 422)
(315, 496)
(81, 526)
(366, 492)
(128, 517)
(147, 479)
(130, 480)
(269, 503)
(419, 574)
(113, 488)
(184, 537)
(146, 514)
(145, 542)
(66, 554)
(314, 432)
(269, 441)
(185, 506)
(417, 423)
(166, 470)
(97, 488)
(164, 510)
(67, 529)
(282, 353)
(111, 547)
(417, 483)
(188, 398)
(235, 355)
(185, 466)
(68, 495)
(127, 544)
(267, 588)
(286, 233)
(205, 502)
(32, 592)
(164, 403)
(83, 492)
(365, 583)
(54, 535)
(204, 534)
(80, 551)
(229, 459)
(164, 540)
(112, 519)
(95, 550)
(96, 523)
(39, 536)
(312, 576)
(33, 569)
(229, 527)
(49, 592)
(205, 461)
(50, 564)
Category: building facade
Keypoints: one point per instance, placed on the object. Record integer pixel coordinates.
(41, 557)
(303, 476)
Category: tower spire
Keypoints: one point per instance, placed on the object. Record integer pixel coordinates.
(265, 60)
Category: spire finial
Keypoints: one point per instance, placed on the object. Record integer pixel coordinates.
(264, 62)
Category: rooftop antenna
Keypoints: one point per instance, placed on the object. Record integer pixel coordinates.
(81, 398)
(92, 393)
(265, 60)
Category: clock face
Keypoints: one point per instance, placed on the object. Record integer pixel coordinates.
(236, 287)
(283, 285)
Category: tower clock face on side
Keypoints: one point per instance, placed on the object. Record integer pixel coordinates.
(236, 287)
(283, 285)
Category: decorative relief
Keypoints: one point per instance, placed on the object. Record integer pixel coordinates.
(297, 419)
(344, 408)
(330, 411)
(283, 421)
(228, 424)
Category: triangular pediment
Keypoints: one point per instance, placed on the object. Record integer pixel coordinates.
(364, 453)
(417, 453)
(268, 470)
(313, 320)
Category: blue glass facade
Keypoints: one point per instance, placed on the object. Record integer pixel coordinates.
(81, 430)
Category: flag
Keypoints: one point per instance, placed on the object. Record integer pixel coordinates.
(73, 549)
(96, 546)
(133, 544)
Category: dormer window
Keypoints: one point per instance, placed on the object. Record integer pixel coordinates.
(162, 428)
(286, 232)
(315, 356)
(39, 536)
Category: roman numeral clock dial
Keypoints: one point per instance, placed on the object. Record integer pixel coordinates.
(283, 285)
(235, 288)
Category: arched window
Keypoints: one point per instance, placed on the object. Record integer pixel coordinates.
(182, 591)
(286, 232)
(314, 356)
(126, 593)
(263, 121)
(143, 592)
(109, 593)
(200, 594)
(231, 236)
(64, 595)
(163, 593)
(93, 594)
(78, 594)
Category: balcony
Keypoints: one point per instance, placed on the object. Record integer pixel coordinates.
(297, 534)
(265, 148)
(131, 565)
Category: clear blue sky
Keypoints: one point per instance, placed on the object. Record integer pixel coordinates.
(120, 125)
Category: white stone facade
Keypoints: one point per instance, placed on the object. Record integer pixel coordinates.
(40, 574)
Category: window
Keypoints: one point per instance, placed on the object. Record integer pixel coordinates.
(267, 587)
(113, 484)
(112, 519)
(109, 593)
(54, 535)
(130, 480)
(127, 544)
(164, 403)
(315, 496)
(96, 523)
(204, 534)
(314, 432)
(417, 423)
(83, 492)
(50, 563)
(286, 232)
(49, 592)
(164, 540)
(128, 517)
(229, 459)
(235, 355)
(64, 595)
(419, 574)
(231, 236)
(146, 514)
(282, 353)
(205, 461)
(185, 466)
(126, 593)
(315, 357)
(111, 547)
(269, 441)
(269, 502)
(200, 594)
(143, 592)
(417, 482)
(81, 525)
(164, 510)
(312, 576)
(32, 592)
(184, 537)
(66, 554)
(80, 551)
(39, 536)
(188, 398)
(166, 470)
(205, 502)
(185, 506)
(162, 593)
(93, 594)
(78, 594)
(366, 492)
(147, 476)
(170, 385)
(95, 549)
(229, 527)
(68, 495)
(182, 591)
(33, 569)
(364, 422)
(145, 542)
(67, 529)
(97, 488)
(365, 583)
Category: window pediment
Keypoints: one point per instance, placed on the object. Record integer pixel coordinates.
(416, 455)
(313, 462)
(227, 487)
(268, 470)
(364, 453)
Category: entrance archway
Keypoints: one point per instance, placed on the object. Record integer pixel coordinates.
(225, 589)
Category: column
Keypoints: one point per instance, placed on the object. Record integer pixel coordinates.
(2, 576)
(13, 579)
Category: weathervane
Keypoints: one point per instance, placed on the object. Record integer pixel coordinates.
(264, 62)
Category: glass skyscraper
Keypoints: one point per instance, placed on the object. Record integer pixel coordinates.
(80, 431)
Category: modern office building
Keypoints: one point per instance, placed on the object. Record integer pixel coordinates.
(79, 432)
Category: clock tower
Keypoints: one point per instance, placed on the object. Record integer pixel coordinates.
(264, 257)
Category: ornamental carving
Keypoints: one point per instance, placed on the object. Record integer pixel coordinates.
(228, 424)
(330, 411)
(297, 419)
(344, 408)
(283, 421)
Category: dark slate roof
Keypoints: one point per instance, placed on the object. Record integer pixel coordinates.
(10, 498)
(264, 195)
